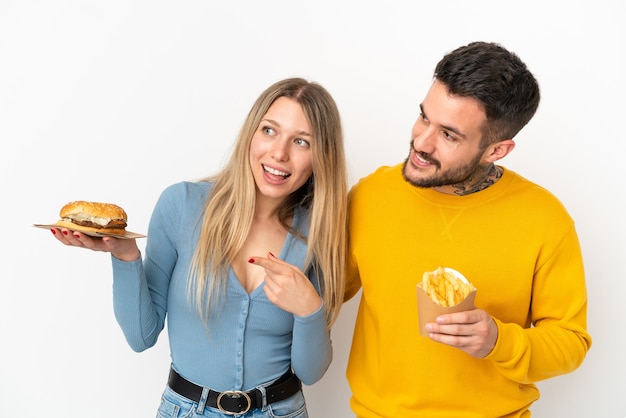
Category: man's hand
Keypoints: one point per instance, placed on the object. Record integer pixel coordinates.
(474, 332)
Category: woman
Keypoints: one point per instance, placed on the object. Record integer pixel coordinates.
(248, 264)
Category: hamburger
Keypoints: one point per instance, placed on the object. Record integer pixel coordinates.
(93, 217)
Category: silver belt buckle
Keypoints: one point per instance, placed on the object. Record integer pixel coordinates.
(233, 394)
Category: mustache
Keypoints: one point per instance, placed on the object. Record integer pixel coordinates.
(424, 155)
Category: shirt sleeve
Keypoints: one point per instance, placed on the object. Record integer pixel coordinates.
(557, 341)
(140, 288)
(311, 351)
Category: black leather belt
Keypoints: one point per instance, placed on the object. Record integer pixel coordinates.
(237, 402)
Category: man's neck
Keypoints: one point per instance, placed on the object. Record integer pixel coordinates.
(480, 180)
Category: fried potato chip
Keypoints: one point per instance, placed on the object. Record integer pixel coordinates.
(445, 287)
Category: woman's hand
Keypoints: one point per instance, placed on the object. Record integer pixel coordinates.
(122, 249)
(287, 287)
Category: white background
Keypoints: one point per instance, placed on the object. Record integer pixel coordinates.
(114, 101)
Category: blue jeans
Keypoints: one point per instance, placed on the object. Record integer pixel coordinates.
(174, 405)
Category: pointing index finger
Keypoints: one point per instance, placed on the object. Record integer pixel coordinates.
(271, 262)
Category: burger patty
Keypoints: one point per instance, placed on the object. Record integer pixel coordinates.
(114, 223)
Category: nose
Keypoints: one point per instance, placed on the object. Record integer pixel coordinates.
(424, 138)
(280, 150)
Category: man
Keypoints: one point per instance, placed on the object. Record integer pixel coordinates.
(449, 204)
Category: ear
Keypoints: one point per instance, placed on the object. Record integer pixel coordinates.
(499, 150)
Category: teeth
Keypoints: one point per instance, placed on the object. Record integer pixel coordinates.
(419, 157)
(274, 171)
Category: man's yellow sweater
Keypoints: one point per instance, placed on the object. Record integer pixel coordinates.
(515, 242)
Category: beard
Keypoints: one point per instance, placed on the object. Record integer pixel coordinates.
(452, 176)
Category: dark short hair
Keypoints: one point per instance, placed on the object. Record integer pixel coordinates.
(498, 79)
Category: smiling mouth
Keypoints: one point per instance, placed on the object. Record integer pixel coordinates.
(424, 159)
(275, 172)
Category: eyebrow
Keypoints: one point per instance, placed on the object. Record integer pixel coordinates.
(273, 122)
(447, 128)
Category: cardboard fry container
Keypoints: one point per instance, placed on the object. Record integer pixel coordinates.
(428, 310)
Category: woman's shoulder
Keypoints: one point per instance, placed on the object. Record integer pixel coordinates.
(187, 187)
(185, 193)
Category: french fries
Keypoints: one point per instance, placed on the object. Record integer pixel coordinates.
(445, 288)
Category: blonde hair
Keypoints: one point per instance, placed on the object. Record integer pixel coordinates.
(229, 209)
